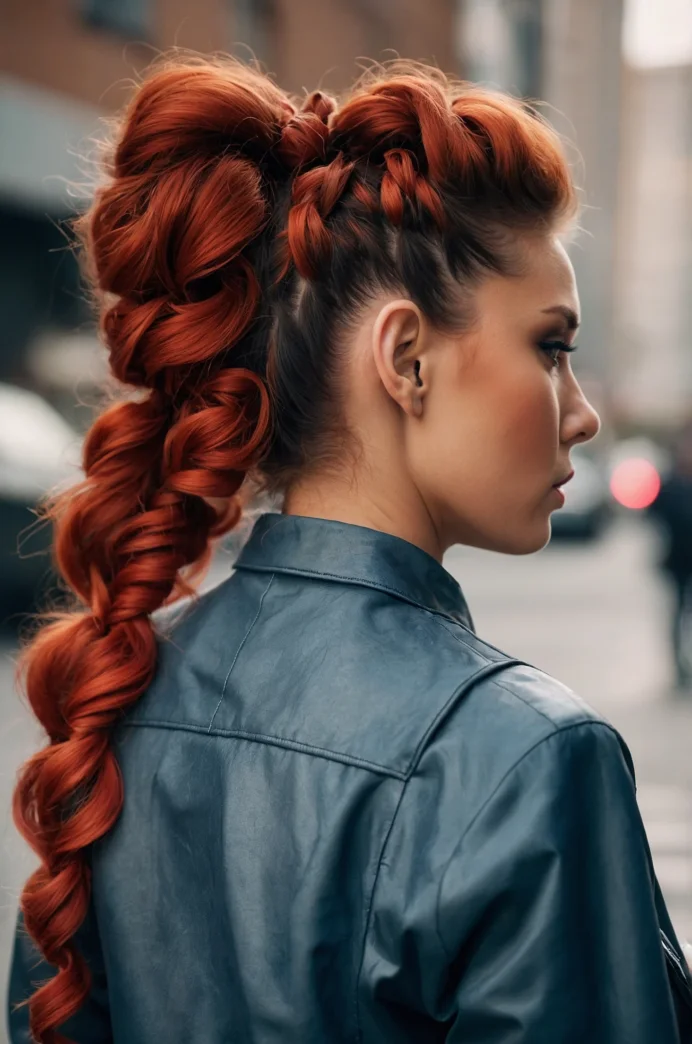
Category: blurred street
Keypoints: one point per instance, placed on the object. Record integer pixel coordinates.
(592, 614)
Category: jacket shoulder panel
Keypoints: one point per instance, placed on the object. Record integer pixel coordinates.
(333, 668)
(346, 671)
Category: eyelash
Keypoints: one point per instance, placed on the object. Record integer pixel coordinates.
(556, 346)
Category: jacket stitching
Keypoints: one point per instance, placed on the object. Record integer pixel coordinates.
(467, 645)
(239, 650)
(272, 741)
(368, 916)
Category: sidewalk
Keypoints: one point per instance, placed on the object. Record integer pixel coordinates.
(659, 735)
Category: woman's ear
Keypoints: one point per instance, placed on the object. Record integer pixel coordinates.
(398, 348)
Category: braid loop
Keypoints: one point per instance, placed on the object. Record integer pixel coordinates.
(400, 113)
(402, 183)
(397, 113)
(304, 138)
(315, 194)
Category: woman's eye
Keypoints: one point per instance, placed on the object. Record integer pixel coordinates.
(553, 349)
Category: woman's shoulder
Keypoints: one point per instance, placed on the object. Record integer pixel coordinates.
(518, 715)
(528, 696)
(514, 691)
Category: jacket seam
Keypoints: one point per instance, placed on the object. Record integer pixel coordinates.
(480, 642)
(371, 904)
(271, 741)
(567, 691)
(240, 649)
(514, 663)
(489, 668)
(361, 581)
(526, 703)
(557, 731)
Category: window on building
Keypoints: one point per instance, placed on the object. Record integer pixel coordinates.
(130, 18)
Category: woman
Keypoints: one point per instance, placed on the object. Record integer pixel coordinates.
(314, 806)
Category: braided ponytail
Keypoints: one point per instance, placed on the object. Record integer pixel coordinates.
(167, 242)
(235, 241)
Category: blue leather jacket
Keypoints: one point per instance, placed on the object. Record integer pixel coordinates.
(348, 819)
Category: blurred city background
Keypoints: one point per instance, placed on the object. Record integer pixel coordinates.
(594, 608)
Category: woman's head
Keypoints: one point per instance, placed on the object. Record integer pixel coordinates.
(277, 242)
(345, 302)
(465, 431)
(442, 417)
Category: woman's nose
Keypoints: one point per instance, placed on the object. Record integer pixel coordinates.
(580, 422)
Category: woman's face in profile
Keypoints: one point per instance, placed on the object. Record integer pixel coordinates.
(503, 409)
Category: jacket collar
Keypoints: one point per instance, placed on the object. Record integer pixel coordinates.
(346, 553)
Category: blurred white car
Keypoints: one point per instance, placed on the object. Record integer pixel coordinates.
(588, 503)
(39, 451)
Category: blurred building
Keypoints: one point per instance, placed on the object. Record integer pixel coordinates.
(617, 77)
(502, 42)
(653, 358)
(567, 52)
(65, 63)
(582, 83)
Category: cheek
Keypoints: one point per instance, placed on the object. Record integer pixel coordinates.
(529, 420)
(510, 409)
(492, 441)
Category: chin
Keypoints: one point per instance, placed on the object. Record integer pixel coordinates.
(520, 541)
(526, 536)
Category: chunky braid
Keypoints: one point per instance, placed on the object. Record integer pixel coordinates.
(401, 112)
(402, 148)
(402, 183)
(315, 194)
(166, 239)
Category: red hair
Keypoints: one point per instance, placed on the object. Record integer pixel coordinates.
(225, 213)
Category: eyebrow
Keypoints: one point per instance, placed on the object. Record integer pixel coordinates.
(568, 314)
